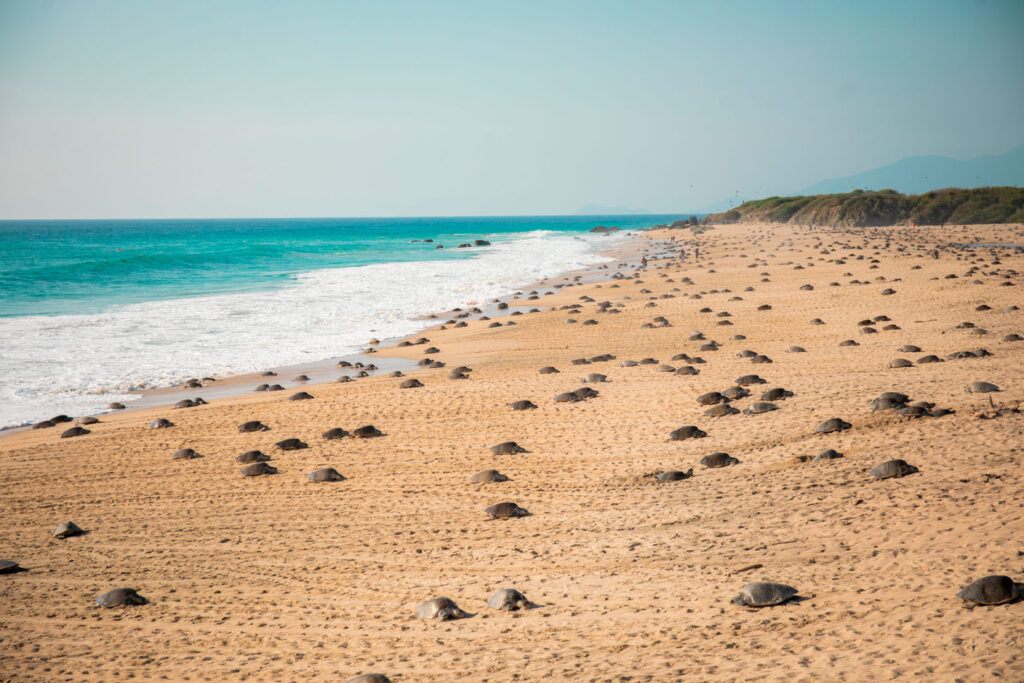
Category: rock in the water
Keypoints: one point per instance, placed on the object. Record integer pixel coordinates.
(121, 597)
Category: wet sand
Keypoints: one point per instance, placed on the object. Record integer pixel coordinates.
(274, 577)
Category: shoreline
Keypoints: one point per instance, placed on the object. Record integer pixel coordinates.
(325, 370)
(630, 575)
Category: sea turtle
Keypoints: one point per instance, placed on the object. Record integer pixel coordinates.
(828, 454)
(115, 406)
(291, 444)
(160, 423)
(674, 475)
(301, 378)
(87, 420)
(301, 396)
(335, 433)
(185, 403)
(120, 597)
(253, 426)
(366, 432)
(548, 370)
(522, 405)
(454, 375)
(506, 511)
(848, 342)
(892, 468)
(326, 474)
(721, 410)
(759, 407)
(764, 594)
(991, 590)
(973, 388)
(410, 384)
(67, 530)
(761, 358)
(711, 398)
(914, 411)
(488, 476)
(585, 393)
(629, 363)
(832, 425)
(595, 377)
(687, 370)
(686, 432)
(909, 348)
(444, 609)
(507, 448)
(45, 424)
(736, 392)
(579, 361)
(261, 387)
(275, 387)
(185, 454)
(252, 456)
(258, 468)
(567, 397)
(509, 599)
(57, 419)
(74, 431)
(776, 394)
(9, 567)
(716, 460)
(370, 678)
(900, 363)
(817, 321)
(930, 358)
(796, 349)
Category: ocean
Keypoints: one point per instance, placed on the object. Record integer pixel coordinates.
(97, 311)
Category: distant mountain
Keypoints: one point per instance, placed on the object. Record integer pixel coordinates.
(600, 210)
(916, 175)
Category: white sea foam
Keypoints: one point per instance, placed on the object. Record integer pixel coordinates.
(76, 364)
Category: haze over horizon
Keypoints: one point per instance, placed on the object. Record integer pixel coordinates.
(238, 109)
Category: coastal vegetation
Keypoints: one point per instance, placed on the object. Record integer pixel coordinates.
(862, 208)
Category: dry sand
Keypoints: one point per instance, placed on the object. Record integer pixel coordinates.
(276, 578)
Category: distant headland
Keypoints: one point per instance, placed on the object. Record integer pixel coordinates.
(885, 207)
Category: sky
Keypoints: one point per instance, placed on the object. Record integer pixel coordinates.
(138, 109)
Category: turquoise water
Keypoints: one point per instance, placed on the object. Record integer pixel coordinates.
(65, 267)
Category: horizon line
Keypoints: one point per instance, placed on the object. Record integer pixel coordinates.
(301, 218)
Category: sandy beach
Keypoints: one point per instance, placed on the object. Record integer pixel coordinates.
(278, 578)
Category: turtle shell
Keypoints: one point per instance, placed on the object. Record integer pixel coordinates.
(507, 448)
(291, 444)
(68, 529)
(505, 511)
(258, 468)
(687, 432)
(764, 594)
(991, 590)
(832, 425)
(366, 432)
(121, 597)
(440, 608)
(522, 405)
(892, 468)
(716, 460)
(674, 475)
(487, 476)
(326, 474)
(508, 599)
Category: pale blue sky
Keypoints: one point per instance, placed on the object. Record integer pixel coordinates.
(378, 108)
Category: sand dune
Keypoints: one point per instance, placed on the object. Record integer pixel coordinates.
(274, 577)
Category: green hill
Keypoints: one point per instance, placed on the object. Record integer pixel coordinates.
(886, 207)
